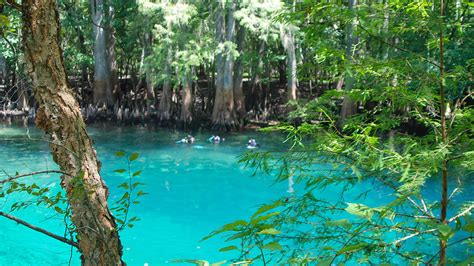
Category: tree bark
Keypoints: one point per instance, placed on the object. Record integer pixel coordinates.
(186, 117)
(164, 108)
(102, 91)
(223, 115)
(110, 51)
(349, 106)
(239, 98)
(60, 117)
(288, 40)
(150, 92)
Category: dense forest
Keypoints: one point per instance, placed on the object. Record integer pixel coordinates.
(378, 93)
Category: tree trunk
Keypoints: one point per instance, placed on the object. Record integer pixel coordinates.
(349, 106)
(443, 244)
(288, 40)
(239, 98)
(186, 117)
(102, 91)
(164, 108)
(150, 92)
(60, 117)
(223, 115)
(111, 56)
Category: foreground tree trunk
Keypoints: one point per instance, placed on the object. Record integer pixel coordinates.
(103, 86)
(60, 117)
(223, 115)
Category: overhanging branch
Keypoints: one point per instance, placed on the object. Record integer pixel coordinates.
(41, 230)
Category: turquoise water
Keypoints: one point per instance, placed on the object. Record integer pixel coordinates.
(193, 189)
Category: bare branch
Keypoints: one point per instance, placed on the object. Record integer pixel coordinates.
(411, 236)
(41, 230)
(462, 213)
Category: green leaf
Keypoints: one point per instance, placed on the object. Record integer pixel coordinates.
(469, 226)
(265, 208)
(272, 246)
(196, 262)
(124, 185)
(352, 248)
(120, 170)
(445, 230)
(133, 157)
(360, 210)
(137, 173)
(326, 262)
(343, 222)
(228, 248)
(228, 227)
(119, 153)
(59, 210)
(258, 219)
(269, 231)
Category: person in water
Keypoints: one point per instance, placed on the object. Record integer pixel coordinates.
(215, 139)
(187, 140)
(252, 144)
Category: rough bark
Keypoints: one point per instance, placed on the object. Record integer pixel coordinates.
(102, 91)
(60, 117)
(288, 40)
(223, 115)
(239, 99)
(349, 106)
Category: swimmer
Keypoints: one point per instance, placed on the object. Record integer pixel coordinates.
(187, 140)
(216, 139)
(252, 144)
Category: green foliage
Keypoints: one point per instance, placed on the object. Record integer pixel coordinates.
(393, 143)
(132, 192)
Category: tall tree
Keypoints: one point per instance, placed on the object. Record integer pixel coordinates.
(288, 40)
(60, 117)
(349, 106)
(223, 115)
(103, 81)
(239, 98)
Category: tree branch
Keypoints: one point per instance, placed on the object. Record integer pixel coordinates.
(43, 231)
(34, 173)
(15, 5)
(462, 213)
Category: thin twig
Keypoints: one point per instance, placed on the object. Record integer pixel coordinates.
(34, 173)
(462, 213)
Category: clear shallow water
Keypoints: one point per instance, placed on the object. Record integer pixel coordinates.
(193, 189)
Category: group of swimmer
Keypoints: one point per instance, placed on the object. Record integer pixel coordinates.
(189, 139)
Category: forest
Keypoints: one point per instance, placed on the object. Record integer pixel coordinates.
(342, 132)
